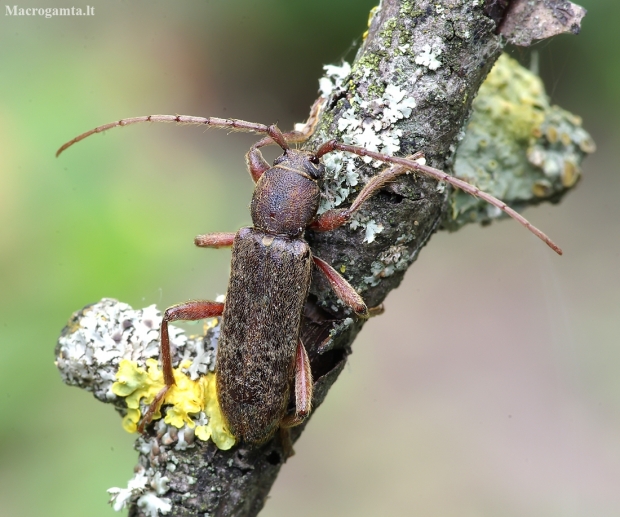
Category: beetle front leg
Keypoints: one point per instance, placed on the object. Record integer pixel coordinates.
(188, 311)
(303, 389)
(256, 163)
(335, 218)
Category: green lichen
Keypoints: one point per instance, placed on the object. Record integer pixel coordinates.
(369, 60)
(408, 9)
(375, 90)
(388, 32)
(389, 27)
(516, 146)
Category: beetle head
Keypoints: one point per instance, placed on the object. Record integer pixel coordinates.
(302, 162)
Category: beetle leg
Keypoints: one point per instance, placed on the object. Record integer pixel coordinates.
(303, 389)
(335, 218)
(188, 311)
(256, 163)
(343, 289)
(287, 443)
(305, 132)
(153, 408)
(215, 240)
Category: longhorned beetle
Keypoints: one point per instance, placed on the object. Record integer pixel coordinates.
(260, 356)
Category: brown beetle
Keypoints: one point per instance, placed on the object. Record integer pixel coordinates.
(260, 357)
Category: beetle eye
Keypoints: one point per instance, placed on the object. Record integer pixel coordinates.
(314, 159)
(315, 171)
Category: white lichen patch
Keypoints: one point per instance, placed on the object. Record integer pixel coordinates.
(397, 104)
(93, 344)
(153, 505)
(95, 341)
(340, 176)
(144, 488)
(334, 78)
(428, 57)
(202, 355)
(368, 124)
(372, 229)
(395, 258)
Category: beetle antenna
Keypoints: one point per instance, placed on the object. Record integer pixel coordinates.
(276, 135)
(334, 145)
(222, 123)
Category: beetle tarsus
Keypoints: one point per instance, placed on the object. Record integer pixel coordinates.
(153, 408)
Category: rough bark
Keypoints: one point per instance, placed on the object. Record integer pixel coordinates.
(526, 21)
(437, 53)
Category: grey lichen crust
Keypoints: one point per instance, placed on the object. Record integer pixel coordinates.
(516, 146)
(409, 89)
(99, 336)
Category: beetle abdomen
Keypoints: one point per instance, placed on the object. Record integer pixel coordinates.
(268, 286)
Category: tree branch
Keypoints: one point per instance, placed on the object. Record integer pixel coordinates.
(410, 88)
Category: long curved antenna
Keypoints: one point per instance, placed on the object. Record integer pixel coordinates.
(224, 123)
(333, 145)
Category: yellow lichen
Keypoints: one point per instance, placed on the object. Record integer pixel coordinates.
(187, 399)
(541, 188)
(135, 384)
(570, 174)
(203, 432)
(514, 98)
(371, 15)
(219, 432)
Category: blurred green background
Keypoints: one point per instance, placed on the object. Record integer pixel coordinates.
(504, 401)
